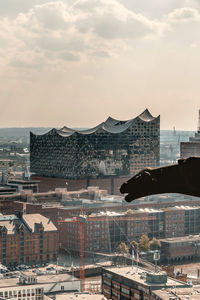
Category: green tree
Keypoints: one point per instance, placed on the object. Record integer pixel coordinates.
(155, 244)
(144, 243)
(123, 248)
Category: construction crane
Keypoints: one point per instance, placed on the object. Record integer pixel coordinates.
(81, 228)
(81, 220)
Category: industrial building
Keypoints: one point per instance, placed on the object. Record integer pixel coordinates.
(30, 238)
(112, 148)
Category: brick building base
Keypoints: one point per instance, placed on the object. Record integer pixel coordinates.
(111, 184)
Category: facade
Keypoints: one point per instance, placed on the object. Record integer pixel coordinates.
(136, 283)
(113, 148)
(27, 239)
(23, 185)
(104, 231)
(180, 249)
(191, 148)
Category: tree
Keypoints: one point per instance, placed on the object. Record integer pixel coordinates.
(144, 243)
(155, 244)
(123, 248)
(134, 245)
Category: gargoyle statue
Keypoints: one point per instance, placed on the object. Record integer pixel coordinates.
(183, 178)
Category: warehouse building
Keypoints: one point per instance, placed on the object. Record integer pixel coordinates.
(30, 238)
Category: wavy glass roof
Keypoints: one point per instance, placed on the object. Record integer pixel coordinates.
(110, 125)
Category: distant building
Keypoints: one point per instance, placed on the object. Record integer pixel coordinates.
(27, 239)
(113, 148)
(191, 148)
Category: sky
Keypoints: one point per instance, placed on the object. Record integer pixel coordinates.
(75, 63)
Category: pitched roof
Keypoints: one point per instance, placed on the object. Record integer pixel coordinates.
(31, 222)
(32, 219)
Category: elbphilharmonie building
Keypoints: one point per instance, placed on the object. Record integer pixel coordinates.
(114, 147)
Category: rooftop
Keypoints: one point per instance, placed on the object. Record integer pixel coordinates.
(79, 296)
(110, 125)
(192, 293)
(189, 238)
(30, 221)
(42, 279)
(183, 207)
(138, 274)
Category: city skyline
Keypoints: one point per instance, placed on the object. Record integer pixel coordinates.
(75, 63)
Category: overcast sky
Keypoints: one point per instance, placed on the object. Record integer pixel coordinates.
(74, 63)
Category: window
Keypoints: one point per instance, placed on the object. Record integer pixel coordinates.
(125, 291)
(62, 287)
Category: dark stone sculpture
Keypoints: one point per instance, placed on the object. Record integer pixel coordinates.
(183, 178)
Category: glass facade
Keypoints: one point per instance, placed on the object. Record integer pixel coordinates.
(119, 148)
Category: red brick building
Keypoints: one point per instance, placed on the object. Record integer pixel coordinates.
(180, 248)
(103, 232)
(30, 238)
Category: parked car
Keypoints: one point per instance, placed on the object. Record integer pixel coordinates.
(50, 268)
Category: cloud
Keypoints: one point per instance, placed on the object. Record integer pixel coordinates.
(111, 20)
(185, 14)
(55, 31)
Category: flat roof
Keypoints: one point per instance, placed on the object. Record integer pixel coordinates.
(22, 181)
(181, 293)
(42, 279)
(137, 274)
(181, 207)
(187, 238)
(79, 296)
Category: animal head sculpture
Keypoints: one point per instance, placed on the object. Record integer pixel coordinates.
(183, 178)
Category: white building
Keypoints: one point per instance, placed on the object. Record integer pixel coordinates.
(30, 287)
